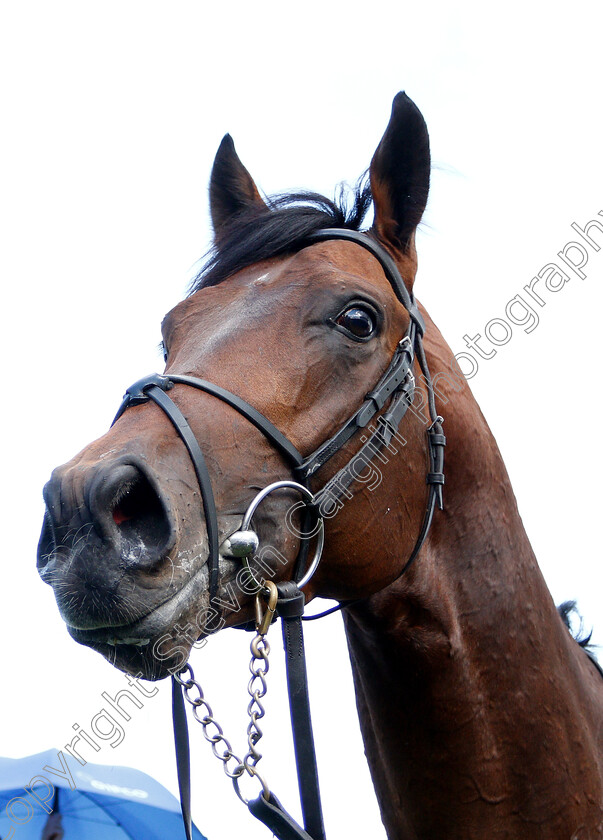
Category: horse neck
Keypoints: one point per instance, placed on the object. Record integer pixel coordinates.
(466, 679)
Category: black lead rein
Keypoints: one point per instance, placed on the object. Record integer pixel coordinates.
(396, 386)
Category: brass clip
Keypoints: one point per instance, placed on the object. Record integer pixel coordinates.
(263, 620)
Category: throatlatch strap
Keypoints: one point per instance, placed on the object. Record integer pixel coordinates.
(183, 757)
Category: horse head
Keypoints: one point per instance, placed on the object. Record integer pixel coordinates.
(300, 329)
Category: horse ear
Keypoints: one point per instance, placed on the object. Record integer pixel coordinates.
(231, 187)
(399, 175)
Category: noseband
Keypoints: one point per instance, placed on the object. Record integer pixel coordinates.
(397, 385)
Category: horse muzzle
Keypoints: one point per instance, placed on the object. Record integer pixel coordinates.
(108, 531)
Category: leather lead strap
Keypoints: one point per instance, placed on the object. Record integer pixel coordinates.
(183, 757)
(274, 817)
(290, 608)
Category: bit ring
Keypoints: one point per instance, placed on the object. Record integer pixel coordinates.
(308, 498)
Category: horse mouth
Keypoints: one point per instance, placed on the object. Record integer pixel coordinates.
(154, 623)
(186, 611)
(113, 636)
(159, 643)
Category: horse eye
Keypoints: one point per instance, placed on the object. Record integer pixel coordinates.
(164, 351)
(357, 320)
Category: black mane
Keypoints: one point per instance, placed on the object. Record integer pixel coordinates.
(259, 232)
(566, 611)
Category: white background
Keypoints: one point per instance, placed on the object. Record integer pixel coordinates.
(111, 115)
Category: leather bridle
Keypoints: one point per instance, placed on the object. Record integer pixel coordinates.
(396, 386)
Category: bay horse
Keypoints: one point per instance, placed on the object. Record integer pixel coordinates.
(482, 717)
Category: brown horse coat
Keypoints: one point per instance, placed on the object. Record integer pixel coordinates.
(482, 718)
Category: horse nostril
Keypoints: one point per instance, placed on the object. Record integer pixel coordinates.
(132, 515)
(139, 514)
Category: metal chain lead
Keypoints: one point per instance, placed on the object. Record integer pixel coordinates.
(203, 713)
(257, 687)
(260, 650)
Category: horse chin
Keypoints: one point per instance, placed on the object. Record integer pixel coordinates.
(153, 647)
(159, 643)
(135, 660)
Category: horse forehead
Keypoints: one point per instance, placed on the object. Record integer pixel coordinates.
(315, 265)
(254, 290)
(332, 259)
